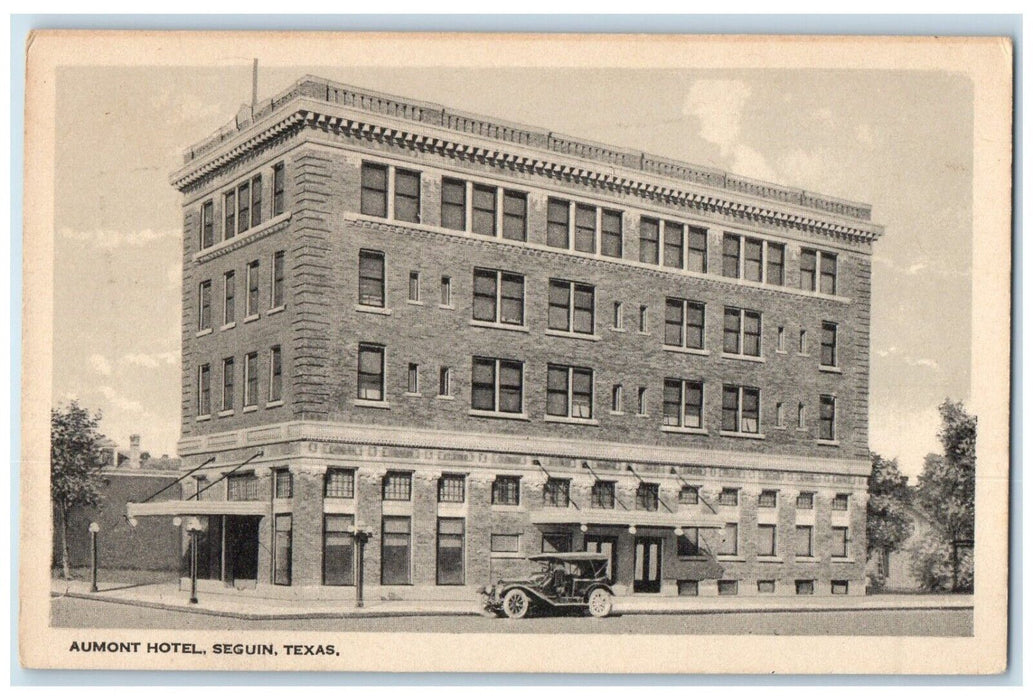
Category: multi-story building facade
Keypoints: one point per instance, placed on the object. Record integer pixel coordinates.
(480, 340)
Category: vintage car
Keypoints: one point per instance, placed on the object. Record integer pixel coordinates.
(568, 580)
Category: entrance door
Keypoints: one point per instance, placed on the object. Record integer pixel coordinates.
(647, 564)
(604, 545)
(241, 549)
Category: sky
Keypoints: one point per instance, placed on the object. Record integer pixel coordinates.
(899, 140)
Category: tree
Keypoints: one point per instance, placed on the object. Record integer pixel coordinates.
(76, 459)
(947, 485)
(889, 521)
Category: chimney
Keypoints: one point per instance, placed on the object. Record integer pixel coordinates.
(134, 451)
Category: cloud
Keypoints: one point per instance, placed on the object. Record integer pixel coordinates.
(116, 239)
(907, 433)
(151, 360)
(119, 401)
(100, 364)
(719, 106)
(924, 267)
(911, 361)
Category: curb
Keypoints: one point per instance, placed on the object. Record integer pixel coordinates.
(332, 615)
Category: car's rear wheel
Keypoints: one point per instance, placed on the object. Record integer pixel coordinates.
(600, 603)
(516, 604)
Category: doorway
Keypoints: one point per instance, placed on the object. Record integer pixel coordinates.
(604, 544)
(241, 562)
(647, 564)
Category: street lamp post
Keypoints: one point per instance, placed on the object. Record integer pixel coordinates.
(94, 529)
(193, 526)
(362, 535)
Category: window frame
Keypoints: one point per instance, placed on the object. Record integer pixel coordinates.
(647, 496)
(228, 379)
(510, 216)
(369, 194)
(497, 298)
(345, 489)
(568, 391)
(556, 493)
(396, 486)
(684, 388)
(743, 336)
(448, 489)
(275, 374)
(277, 296)
(206, 230)
(683, 324)
(801, 530)
(829, 345)
(251, 378)
(740, 411)
(827, 417)
(204, 390)
(773, 529)
(497, 365)
(254, 288)
(572, 290)
(607, 236)
(382, 351)
(229, 297)
(204, 305)
(649, 243)
(398, 196)
(604, 494)
(371, 256)
(279, 188)
(500, 490)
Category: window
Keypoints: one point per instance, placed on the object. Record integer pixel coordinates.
(514, 215)
(643, 318)
(829, 357)
(282, 550)
(780, 420)
(446, 291)
(612, 234)
(744, 258)
(505, 544)
(729, 496)
(688, 588)
(371, 278)
(647, 496)
(803, 341)
(571, 307)
(742, 332)
(397, 486)
(395, 551)
(373, 192)
(555, 542)
(674, 247)
(204, 390)
(278, 278)
(805, 501)
(414, 286)
(804, 587)
(727, 587)
(649, 241)
(604, 494)
(688, 543)
(371, 373)
(207, 224)
(753, 260)
(818, 271)
(780, 342)
(242, 487)
(558, 224)
(729, 540)
(557, 493)
(804, 541)
(840, 587)
(229, 205)
(227, 384)
(730, 256)
(498, 297)
(444, 381)
(827, 418)
(618, 316)
(256, 200)
(642, 401)
(204, 310)
(453, 204)
(452, 488)
(689, 495)
(775, 273)
(407, 196)
(569, 392)
(251, 379)
(684, 323)
(229, 303)
(275, 374)
(484, 205)
(617, 399)
(497, 385)
(828, 273)
(766, 586)
(413, 379)
(767, 499)
(740, 409)
(839, 541)
(251, 303)
(243, 207)
(283, 484)
(697, 261)
(340, 483)
(338, 550)
(279, 182)
(584, 228)
(766, 540)
(505, 491)
(800, 422)
(683, 403)
(451, 537)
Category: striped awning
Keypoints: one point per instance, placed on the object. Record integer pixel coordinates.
(192, 507)
(626, 518)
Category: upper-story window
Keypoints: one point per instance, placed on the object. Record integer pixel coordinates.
(740, 409)
(827, 417)
(590, 224)
(407, 196)
(753, 259)
(689, 495)
(647, 496)
(453, 204)
(649, 241)
(818, 271)
(604, 494)
(207, 237)
(476, 208)
(339, 483)
(557, 493)
(612, 234)
(251, 379)
(505, 490)
(569, 392)
(375, 195)
(685, 247)
(256, 200)
(204, 390)
(767, 499)
(729, 496)
(684, 322)
(227, 384)
(558, 224)
(683, 403)
(742, 332)
(571, 307)
(279, 186)
(841, 501)
(275, 374)
(497, 385)
(251, 302)
(371, 278)
(249, 205)
(242, 487)
(229, 211)
(452, 488)
(498, 297)
(371, 373)
(204, 306)
(397, 486)
(277, 292)
(484, 214)
(229, 301)
(829, 347)
(514, 215)
(584, 228)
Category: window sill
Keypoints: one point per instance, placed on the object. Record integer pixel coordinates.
(769, 559)
(499, 326)
(206, 331)
(731, 558)
(276, 310)
(450, 307)
(252, 317)
(414, 302)
(366, 403)
(201, 419)
(642, 415)
(362, 308)
(445, 397)
(686, 351)
(692, 557)
(831, 369)
(843, 560)
(571, 334)
(501, 507)
(803, 354)
(807, 559)
(617, 330)
(274, 404)
(781, 352)
(224, 414)
(413, 394)
(827, 443)
(616, 413)
(643, 333)
(745, 358)
(684, 431)
(567, 419)
(778, 427)
(498, 414)
(748, 436)
(250, 409)
(228, 326)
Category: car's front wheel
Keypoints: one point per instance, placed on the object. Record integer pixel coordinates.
(600, 603)
(516, 604)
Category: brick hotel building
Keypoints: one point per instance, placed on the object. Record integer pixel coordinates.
(481, 340)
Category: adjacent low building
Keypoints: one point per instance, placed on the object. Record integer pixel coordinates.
(481, 340)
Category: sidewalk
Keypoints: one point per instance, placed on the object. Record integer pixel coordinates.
(168, 596)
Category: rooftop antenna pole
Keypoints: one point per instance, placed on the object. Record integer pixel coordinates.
(254, 86)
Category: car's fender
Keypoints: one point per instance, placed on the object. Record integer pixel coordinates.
(531, 592)
(594, 586)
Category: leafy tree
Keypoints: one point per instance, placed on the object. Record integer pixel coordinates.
(76, 459)
(889, 521)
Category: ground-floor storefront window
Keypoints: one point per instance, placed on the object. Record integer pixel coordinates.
(338, 551)
(395, 551)
(451, 534)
